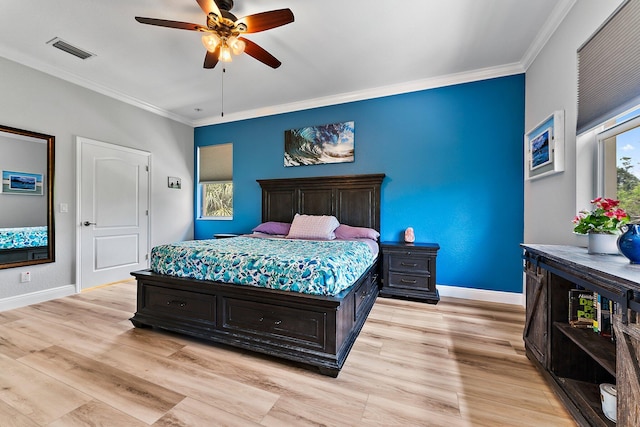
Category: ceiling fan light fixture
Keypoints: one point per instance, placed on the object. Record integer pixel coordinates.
(210, 41)
(221, 36)
(237, 45)
(225, 53)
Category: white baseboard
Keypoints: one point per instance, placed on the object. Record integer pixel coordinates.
(36, 297)
(481, 294)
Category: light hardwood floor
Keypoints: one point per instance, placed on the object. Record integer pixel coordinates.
(77, 361)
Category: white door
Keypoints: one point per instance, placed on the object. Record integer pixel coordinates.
(113, 212)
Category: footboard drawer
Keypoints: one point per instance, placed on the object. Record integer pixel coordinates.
(363, 293)
(301, 327)
(179, 304)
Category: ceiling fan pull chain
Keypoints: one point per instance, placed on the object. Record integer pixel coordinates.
(224, 70)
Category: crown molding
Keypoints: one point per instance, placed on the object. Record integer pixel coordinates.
(379, 92)
(550, 26)
(88, 84)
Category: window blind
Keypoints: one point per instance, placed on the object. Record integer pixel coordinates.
(215, 163)
(609, 68)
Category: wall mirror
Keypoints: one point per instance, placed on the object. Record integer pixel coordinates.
(27, 234)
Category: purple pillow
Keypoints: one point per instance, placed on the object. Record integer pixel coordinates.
(348, 232)
(273, 227)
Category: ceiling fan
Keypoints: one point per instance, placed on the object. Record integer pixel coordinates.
(223, 31)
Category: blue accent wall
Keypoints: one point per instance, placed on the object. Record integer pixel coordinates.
(453, 157)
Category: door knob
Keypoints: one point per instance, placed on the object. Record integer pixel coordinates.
(87, 223)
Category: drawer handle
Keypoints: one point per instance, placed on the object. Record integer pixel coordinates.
(275, 322)
(413, 282)
(407, 264)
(176, 302)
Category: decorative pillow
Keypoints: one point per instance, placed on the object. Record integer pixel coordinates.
(313, 227)
(273, 227)
(348, 232)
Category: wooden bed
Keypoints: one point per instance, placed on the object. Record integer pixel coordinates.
(315, 330)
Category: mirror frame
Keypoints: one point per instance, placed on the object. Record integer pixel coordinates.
(50, 141)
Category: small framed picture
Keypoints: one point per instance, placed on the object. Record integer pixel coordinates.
(22, 183)
(540, 148)
(544, 147)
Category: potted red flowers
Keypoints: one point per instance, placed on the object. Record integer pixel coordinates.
(602, 224)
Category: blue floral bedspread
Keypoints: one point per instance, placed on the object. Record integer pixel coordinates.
(311, 267)
(23, 237)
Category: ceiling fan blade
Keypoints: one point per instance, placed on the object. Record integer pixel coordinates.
(260, 54)
(171, 24)
(266, 20)
(209, 6)
(211, 59)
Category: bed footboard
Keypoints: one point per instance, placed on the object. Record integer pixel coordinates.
(314, 330)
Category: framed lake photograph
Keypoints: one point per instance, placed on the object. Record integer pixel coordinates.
(544, 147)
(22, 183)
(316, 145)
(541, 153)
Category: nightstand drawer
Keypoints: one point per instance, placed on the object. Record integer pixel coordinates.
(399, 280)
(409, 264)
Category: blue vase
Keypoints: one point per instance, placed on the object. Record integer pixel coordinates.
(629, 243)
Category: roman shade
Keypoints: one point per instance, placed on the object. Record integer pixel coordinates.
(609, 68)
(215, 163)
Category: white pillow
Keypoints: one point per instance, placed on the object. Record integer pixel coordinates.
(313, 227)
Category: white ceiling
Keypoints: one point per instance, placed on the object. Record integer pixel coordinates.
(335, 51)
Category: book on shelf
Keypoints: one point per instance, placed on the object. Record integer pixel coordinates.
(596, 318)
(603, 316)
(582, 308)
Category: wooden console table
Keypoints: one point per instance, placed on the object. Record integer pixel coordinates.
(575, 361)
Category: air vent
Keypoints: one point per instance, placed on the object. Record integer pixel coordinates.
(69, 48)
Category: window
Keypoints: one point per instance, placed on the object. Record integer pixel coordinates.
(215, 181)
(619, 162)
(217, 200)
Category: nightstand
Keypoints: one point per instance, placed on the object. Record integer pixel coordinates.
(409, 271)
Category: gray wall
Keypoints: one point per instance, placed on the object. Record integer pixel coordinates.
(551, 84)
(38, 102)
(20, 155)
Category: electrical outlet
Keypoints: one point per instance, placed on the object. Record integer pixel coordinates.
(25, 276)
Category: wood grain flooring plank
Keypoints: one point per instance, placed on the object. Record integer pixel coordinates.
(193, 413)
(491, 413)
(96, 414)
(137, 397)
(15, 344)
(11, 417)
(300, 385)
(61, 335)
(441, 400)
(219, 390)
(9, 316)
(35, 394)
(381, 411)
(293, 413)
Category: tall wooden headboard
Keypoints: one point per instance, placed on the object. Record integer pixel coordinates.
(353, 199)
